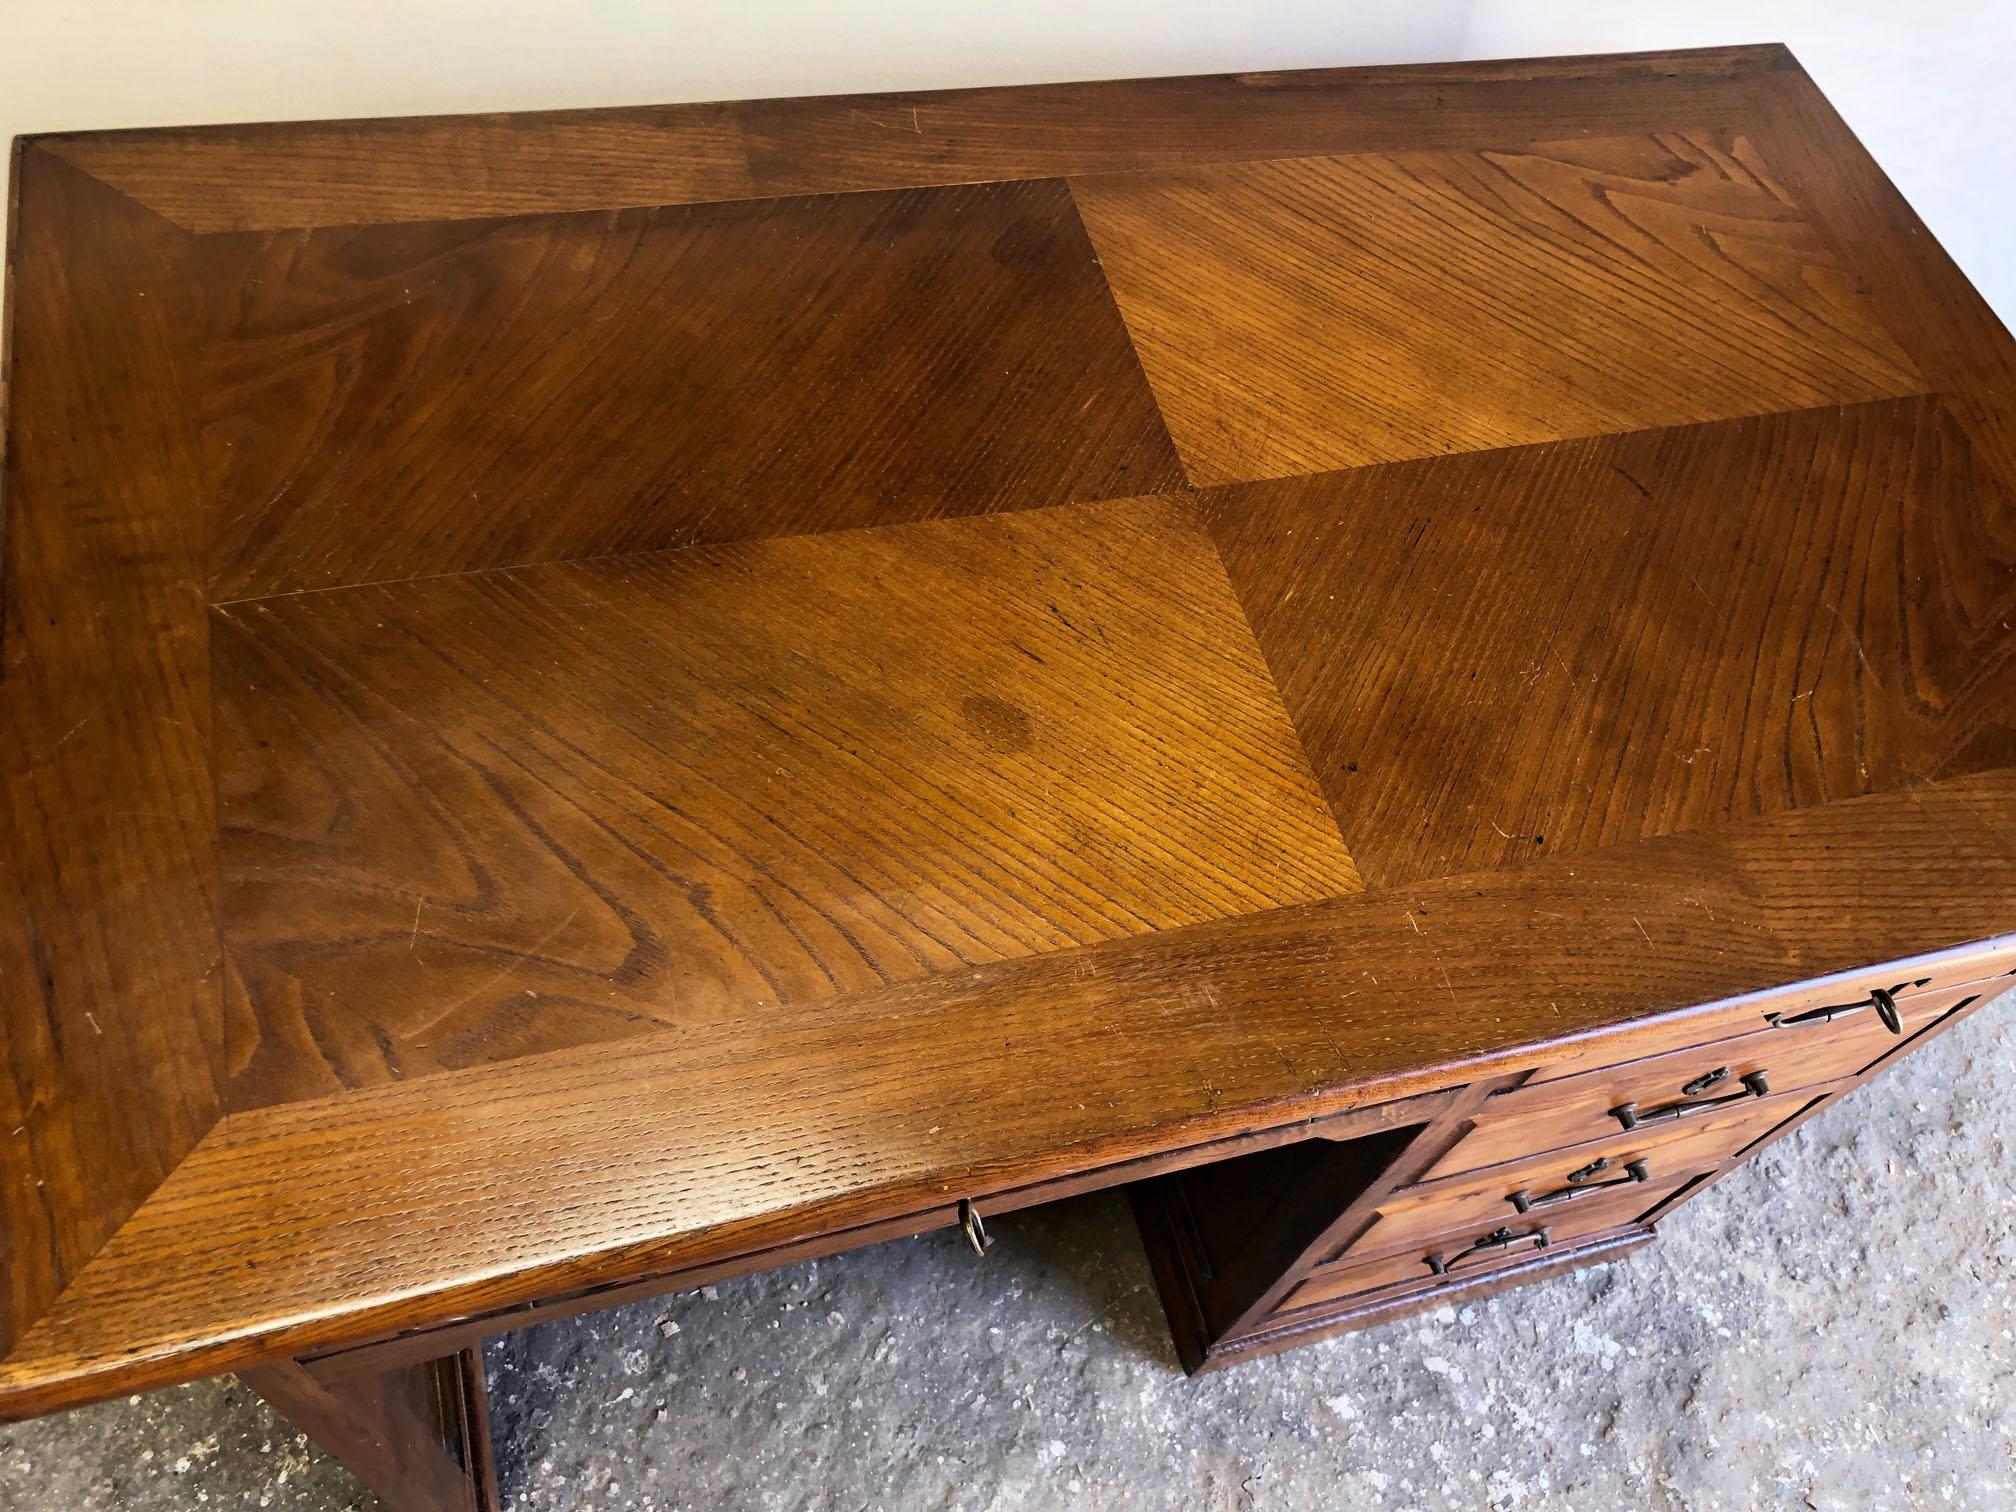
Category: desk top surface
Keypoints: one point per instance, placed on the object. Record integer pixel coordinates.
(590, 692)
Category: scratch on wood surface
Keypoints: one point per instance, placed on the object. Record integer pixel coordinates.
(1855, 641)
(509, 969)
(916, 125)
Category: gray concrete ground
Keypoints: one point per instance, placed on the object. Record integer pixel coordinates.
(1830, 1328)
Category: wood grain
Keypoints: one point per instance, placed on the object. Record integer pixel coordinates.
(1129, 125)
(110, 1030)
(1200, 1354)
(473, 817)
(1558, 1114)
(341, 1219)
(1415, 1213)
(394, 402)
(1297, 316)
(347, 173)
(274, 176)
(1794, 609)
(1953, 337)
(1819, 1105)
(1598, 1215)
(1358, 1309)
(679, 648)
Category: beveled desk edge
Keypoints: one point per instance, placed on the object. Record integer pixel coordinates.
(120, 1324)
(1333, 1041)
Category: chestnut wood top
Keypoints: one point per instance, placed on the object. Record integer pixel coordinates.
(591, 693)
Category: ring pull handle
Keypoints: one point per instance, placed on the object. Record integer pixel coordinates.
(1629, 1115)
(1635, 1171)
(1881, 999)
(1497, 1239)
(1886, 1010)
(970, 1224)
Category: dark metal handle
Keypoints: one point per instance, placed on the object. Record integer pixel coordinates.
(1882, 1001)
(1628, 1115)
(1497, 1239)
(1703, 1082)
(1634, 1172)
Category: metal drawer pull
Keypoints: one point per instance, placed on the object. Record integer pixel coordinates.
(1634, 1172)
(1628, 1115)
(1497, 1239)
(1883, 1002)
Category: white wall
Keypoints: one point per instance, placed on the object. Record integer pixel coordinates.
(1927, 86)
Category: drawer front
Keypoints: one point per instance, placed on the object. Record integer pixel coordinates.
(1485, 1246)
(1687, 1030)
(1561, 1181)
(1683, 1085)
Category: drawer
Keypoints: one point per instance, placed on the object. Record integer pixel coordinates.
(1685, 1030)
(1484, 1246)
(1562, 1181)
(1824, 1044)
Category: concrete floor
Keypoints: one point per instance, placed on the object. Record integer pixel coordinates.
(1830, 1328)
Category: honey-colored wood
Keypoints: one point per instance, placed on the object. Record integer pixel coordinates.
(1962, 1011)
(1598, 1215)
(1577, 1109)
(1835, 1000)
(1708, 688)
(599, 699)
(429, 1341)
(1312, 314)
(1413, 1214)
(1942, 320)
(1391, 1246)
(500, 813)
(340, 173)
(498, 1185)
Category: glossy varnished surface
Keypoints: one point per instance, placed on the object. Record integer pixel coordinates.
(108, 945)
(1499, 297)
(1795, 608)
(702, 785)
(589, 694)
(394, 402)
(841, 1114)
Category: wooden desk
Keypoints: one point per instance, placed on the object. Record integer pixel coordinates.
(1399, 659)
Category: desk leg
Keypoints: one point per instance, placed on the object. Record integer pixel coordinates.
(417, 1435)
